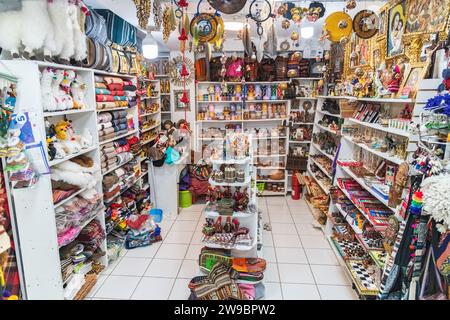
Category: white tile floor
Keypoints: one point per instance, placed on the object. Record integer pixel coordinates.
(300, 262)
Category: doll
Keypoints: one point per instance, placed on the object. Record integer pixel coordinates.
(258, 92)
(217, 92)
(251, 92)
(235, 71)
(238, 92)
(396, 79)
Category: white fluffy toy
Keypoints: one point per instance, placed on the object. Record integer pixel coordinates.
(78, 88)
(48, 99)
(57, 92)
(53, 27)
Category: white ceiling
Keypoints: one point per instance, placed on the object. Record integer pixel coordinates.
(126, 9)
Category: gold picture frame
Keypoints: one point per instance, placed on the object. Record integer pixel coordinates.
(396, 20)
(414, 74)
(426, 16)
(382, 23)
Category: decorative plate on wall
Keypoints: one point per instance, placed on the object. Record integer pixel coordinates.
(175, 70)
(338, 25)
(206, 25)
(365, 24)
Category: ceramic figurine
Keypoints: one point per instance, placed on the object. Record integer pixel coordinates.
(251, 92)
(268, 93)
(273, 95)
(396, 79)
(217, 92)
(238, 92)
(211, 93)
(212, 114)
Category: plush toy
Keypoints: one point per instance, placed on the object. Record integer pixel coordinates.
(69, 77)
(58, 93)
(75, 10)
(48, 100)
(62, 130)
(59, 150)
(85, 140)
(30, 26)
(77, 88)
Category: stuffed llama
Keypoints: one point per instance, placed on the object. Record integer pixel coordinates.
(30, 26)
(78, 88)
(48, 99)
(69, 77)
(59, 14)
(57, 92)
(76, 10)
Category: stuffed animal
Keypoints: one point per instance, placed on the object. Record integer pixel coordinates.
(58, 93)
(69, 77)
(30, 26)
(48, 100)
(75, 10)
(61, 130)
(78, 88)
(59, 150)
(85, 140)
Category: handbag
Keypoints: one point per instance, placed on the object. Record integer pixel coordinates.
(200, 69)
(131, 54)
(431, 280)
(266, 70)
(172, 156)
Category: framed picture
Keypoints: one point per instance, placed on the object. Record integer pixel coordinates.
(412, 78)
(395, 29)
(382, 26)
(427, 16)
(376, 57)
(180, 106)
(360, 52)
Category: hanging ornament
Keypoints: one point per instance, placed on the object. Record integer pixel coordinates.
(228, 6)
(246, 39)
(184, 98)
(184, 72)
(182, 4)
(365, 24)
(157, 14)
(182, 36)
(315, 12)
(285, 24)
(351, 4)
(338, 25)
(259, 11)
(206, 25)
(143, 8)
(298, 14)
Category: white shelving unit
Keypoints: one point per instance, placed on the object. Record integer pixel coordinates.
(245, 124)
(248, 220)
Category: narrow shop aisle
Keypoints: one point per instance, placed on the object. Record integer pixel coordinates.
(300, 262)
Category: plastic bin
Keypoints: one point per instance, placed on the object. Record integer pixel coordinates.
(157, 215)
(185, 199)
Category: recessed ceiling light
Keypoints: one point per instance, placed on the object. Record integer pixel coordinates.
(233, 26)
(307, 32)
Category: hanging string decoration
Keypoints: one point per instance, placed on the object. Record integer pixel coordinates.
(157, 14)
(365, 24)
(260, 11)
(184, 73)
(143, 8)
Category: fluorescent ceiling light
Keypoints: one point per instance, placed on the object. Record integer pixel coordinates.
(233, 26)
(307, 32)
(150, 51)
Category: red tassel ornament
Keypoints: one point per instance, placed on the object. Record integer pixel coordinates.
(184, 98)
(183, 4)
(182, 36)
(184, 72)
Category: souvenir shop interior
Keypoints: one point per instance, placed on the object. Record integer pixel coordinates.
(224, 150)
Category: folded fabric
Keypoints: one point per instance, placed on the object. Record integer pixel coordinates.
(121, 103)
(124, 148)
(129, 88)
(100, 84)
(117, 93)
(108, 130)
(106, 105)
(107, 145)
(120, 98)
(109, 149)
(110, 80)
(118, 114)
(103, 98)
(105, 125)
(120, 142)
(129, 93)
(104, 117)
(112, 193)
(115, 86)
(120, 127)
(116, 122)
(102, 91)
(127, 82)
(124, 157)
